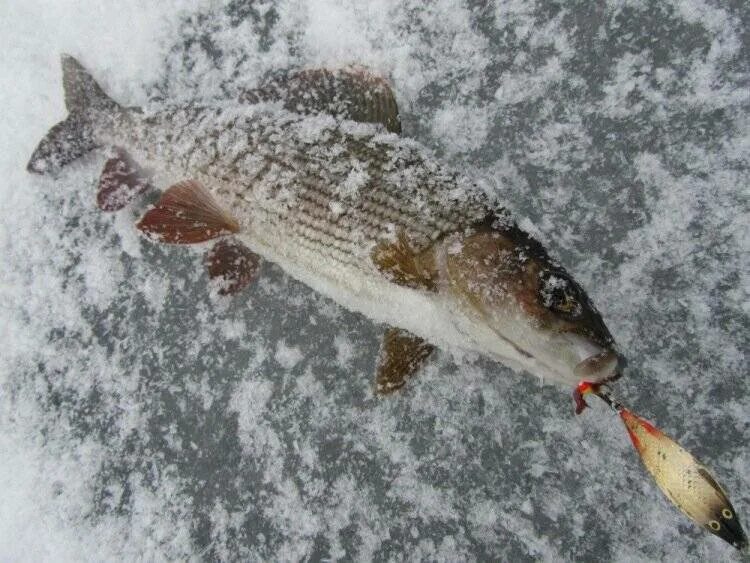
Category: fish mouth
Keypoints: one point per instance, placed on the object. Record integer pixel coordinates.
(597, 364)
(598, 367)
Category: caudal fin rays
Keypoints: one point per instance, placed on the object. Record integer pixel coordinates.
(82, 92)
(74, 136)
(65, 142)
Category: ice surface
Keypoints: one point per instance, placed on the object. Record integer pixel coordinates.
(144, 416)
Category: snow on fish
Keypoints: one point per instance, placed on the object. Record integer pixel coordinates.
(310, 171)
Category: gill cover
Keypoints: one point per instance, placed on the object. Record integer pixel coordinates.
(499, 267)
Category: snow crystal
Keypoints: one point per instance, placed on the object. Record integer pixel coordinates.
(462, 128)
(357, 179)
(344, 350)
(287, 356)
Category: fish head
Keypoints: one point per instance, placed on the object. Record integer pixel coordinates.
(505, 277)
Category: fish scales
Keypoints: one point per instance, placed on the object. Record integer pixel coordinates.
(336, 190)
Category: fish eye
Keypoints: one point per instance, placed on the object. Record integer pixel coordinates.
(560, 294)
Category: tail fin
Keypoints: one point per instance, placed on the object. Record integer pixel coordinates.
(82, 93)
(73, 137)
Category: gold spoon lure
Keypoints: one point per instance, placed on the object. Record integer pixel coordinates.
(685, 481)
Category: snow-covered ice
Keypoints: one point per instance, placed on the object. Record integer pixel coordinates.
(142, 416)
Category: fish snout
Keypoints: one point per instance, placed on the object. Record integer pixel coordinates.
(597, 363)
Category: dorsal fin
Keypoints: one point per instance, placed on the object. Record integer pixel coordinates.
(401, 356)
(82, 93)
(187, 213)
(354, 93)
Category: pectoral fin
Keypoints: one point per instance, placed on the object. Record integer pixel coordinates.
(401, 356)
(354, 93)
(232, 265)
(122, 180)
(401, 264)
(185, 214)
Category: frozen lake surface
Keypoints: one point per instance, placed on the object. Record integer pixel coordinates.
(144, 416)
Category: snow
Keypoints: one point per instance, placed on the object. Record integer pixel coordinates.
(142, 416)
(287, 356)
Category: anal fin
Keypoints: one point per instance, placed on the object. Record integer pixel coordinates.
(187, 213)
(233, 265)
(402, 354)
(122, 180)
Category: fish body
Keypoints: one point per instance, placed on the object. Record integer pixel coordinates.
(362, 215)
(317, 196)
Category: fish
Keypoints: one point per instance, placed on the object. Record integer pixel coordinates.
(357, 212)
(310, 170)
